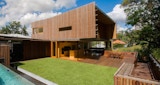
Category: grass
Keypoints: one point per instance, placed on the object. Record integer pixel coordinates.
(135, 48)
(65, 72)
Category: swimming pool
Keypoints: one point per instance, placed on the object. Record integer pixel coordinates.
(8, 77)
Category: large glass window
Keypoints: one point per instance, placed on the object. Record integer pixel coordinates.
(97, 44)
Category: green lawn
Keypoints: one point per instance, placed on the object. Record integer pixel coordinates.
(65, 72)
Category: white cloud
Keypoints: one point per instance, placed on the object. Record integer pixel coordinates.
(27, 11)
(118, 14)
(120, 28)
(66, 3)
(31, 17)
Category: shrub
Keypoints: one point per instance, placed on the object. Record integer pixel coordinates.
(118, 46)
(156, 53)
(135, 48)
(143, 55)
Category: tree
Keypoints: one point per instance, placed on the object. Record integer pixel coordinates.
(14, 28)
(129, 36)
(121, 35)
(23, 30)
(133, 37)
(146, 15)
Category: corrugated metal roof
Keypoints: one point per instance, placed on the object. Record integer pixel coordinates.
(15, 36)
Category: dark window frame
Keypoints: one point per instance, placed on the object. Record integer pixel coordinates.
(40, 30)
(65, 28)
(37, 30)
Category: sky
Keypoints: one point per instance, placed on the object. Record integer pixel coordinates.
(28, 11)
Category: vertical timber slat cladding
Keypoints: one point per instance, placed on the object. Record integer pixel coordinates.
(111, 30)
(82, 21)
(49, 26)
(106, 31)
(69, 22)
(93, 26)
(5, 54)
(35, 49)
(46, 27)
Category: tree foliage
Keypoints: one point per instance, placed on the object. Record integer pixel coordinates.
(145, 14)
(129, 36)
(14, 28)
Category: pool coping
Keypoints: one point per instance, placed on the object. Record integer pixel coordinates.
(45, 81)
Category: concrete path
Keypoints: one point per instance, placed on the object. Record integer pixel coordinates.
(47, 82)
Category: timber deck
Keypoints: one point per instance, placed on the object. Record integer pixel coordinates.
(112, 59)
(112, 62)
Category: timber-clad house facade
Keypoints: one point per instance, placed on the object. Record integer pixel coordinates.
(74, 28)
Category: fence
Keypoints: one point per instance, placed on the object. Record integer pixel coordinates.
(155, 66)
(5, 54)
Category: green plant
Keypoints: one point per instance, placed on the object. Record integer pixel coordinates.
(135, 48)
(146, 18)
(144, 52)
(14, 28)
(118, 46)
(156, 53)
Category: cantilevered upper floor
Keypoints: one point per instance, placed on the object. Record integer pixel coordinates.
(84, 22)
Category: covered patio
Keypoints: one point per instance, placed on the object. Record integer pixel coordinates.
(16, 47)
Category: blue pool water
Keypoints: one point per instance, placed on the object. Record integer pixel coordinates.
(8, 77)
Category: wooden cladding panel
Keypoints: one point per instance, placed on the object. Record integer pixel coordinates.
(106, 31)
(126, 80)
(82, 21)
(110, 30)
(35, 49)
(5, 54)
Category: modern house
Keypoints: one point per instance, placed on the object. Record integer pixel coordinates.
(73, 32)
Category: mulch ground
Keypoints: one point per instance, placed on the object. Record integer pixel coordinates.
(141, 70)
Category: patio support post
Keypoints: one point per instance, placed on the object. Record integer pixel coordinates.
(51, 49)
(111, 44)
(56, 49)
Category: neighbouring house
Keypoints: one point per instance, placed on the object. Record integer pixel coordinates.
(117, 41)
(73, 32)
